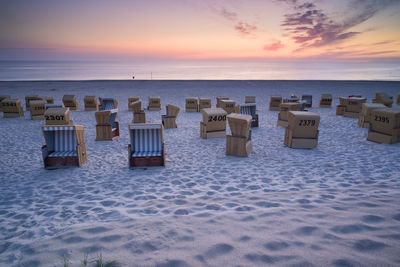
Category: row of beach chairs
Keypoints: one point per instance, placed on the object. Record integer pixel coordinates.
(65, 142)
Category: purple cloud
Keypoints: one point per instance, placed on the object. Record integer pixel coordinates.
(240, 26)
(244, 28)
(312, 27)
(229, 15)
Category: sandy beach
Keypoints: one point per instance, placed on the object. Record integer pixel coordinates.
(335, 205)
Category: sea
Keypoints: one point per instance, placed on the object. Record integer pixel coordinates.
(197, 70)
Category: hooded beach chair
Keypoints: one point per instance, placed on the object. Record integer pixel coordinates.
(107, 128)
(108, 103)
(2, 97)
(37, 108)
(383, 98)
(12, 108)
(132, 100)
(169, 120)
(308, 100)
(154, 103)
(70, 102)
(90, 102)
(250, 109)
(65, 146)
(274, 102)
(146, 146)
(326, 101)
(28, 98)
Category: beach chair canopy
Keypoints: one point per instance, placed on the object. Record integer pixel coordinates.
(172, 110)
(61, 141)
(146, 140)
(108, 104)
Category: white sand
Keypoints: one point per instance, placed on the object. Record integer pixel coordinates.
(336, 205)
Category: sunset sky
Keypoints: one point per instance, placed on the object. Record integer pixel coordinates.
(321, 30)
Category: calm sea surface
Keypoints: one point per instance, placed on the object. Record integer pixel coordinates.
(196, 70)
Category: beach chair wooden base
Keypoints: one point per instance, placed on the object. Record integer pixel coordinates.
(294, 142)
(238, 146)
(71, 107)
(38, 117)
(192, 110)
(274, 108)
(210, 134)
(106, 132)
(154, 108)
(351, 114)
(324, 106)
(384, 138)
(282, 123)
(13, 114)
(146, 162)
(65, 161)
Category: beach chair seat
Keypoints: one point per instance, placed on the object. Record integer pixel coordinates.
(65, 146)
(108, 103)
(250, 109)
(146, 146)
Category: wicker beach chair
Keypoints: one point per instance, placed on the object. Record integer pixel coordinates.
(250, 109)
(308, 100)
(146, 146)
(108, 103)
(107, 128)
(65, 146)
(70, 102)
(169, 120)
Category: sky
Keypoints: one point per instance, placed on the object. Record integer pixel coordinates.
(276, 30)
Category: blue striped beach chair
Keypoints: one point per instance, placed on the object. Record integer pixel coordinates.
(146, 146)
(65, 146)
(108, 103)
(250, 109)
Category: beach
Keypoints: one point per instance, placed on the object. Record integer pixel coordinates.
(335, 205)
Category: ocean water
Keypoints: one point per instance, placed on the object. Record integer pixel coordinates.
(196, 70)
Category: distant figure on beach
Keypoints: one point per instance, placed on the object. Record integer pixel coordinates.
(133, 77)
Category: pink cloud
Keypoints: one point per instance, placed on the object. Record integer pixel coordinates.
(275, 46)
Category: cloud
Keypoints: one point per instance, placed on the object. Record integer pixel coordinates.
(312, 27)
(275, 46)
(241, 26)
(229, 15)
(244, 28)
